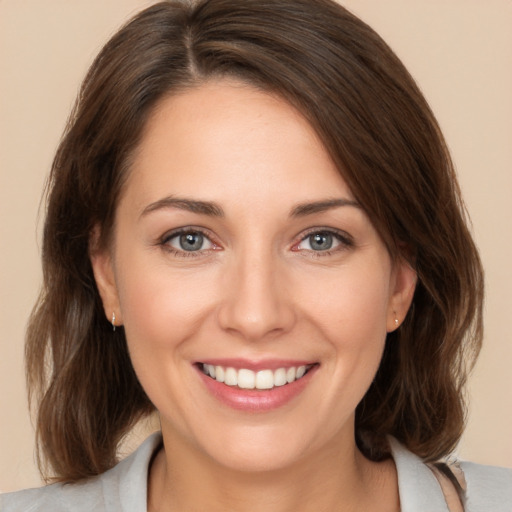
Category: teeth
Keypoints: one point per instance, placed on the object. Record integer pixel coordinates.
(248, 379)
(265, 379)
(231, 377)
(219, 373)
(280, 377)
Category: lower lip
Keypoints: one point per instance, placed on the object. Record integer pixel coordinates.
(252, 400)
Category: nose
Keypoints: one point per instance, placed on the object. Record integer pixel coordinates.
(256, 305)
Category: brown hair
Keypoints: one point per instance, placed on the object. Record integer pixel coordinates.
(377, 127)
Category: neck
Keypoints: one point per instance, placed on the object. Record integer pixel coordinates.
(337, 479)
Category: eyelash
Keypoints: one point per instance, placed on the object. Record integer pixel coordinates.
(164, 242)
(345, 240)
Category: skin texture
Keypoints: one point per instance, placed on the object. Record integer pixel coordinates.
(256, 290)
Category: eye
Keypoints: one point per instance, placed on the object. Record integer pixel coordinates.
(318, 242)
(324, 241)
(188, 241)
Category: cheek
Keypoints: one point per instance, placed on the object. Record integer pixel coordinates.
(351, 305)
(161, 307)
(351, 313)
(162, 314)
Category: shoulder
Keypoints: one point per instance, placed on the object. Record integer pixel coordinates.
(123, 488)
(487, 487)
(57, 497)
(421, 487)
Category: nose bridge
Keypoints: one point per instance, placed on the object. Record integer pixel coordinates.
(255, 304)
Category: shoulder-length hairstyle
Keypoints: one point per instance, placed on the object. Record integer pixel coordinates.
(380, 132)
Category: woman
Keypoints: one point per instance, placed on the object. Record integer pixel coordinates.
(254, 228)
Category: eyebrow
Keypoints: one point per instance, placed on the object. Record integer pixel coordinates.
(214, 210)
(191, 205)
(303, 209)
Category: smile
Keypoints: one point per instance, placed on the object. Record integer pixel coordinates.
(264, 379)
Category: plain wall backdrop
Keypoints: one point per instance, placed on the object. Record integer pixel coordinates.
(460, 53)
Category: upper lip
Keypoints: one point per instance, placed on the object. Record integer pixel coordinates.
(256, 365)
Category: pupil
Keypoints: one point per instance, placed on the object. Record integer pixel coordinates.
(320, 241)
(191, 241)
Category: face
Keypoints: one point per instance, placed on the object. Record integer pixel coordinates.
(241, 253)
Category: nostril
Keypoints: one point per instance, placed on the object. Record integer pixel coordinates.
(254, 318)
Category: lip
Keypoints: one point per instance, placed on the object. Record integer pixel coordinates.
(256, 365)
(250, 400)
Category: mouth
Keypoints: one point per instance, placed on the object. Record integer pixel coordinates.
(256, 386)
(264, 379)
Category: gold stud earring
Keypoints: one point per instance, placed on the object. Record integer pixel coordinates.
(396, 322)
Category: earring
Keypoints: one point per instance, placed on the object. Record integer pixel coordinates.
(113, 321)
(396, 322)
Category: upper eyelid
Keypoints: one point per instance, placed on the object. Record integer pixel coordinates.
(338, 233)
(187, 229)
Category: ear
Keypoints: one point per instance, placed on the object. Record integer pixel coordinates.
(403, 286)
(103, 269)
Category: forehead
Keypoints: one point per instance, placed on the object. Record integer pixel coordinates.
(227, 140)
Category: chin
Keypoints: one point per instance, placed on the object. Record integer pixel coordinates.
(258, 450)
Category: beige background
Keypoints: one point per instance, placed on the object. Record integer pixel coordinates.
(460, 52)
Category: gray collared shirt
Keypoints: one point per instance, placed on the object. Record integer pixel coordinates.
(124, 487)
